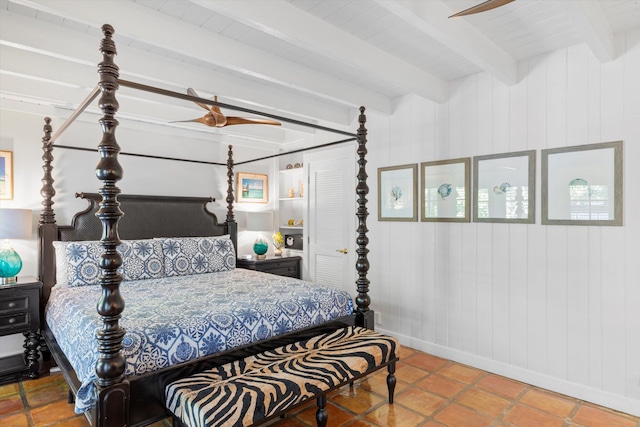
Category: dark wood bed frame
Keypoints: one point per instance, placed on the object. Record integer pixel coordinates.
(139, 400)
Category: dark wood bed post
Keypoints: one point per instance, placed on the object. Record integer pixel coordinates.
(112, 408)
(364, 315)
(232, 226)
(47, 229)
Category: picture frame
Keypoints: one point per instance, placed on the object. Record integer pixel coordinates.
(445, 194)
(6, 175)
(504, 187)
(398, 193)
(583, 185)
(252, 188)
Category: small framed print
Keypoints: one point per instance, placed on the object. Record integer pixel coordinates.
(504, 187)
(252, 188)
(6, 175)
(398, 193)
(445, 194)
(582, 185)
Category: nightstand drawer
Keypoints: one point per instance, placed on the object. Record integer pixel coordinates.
(15, 322)
(283, 271)
(20, 313)
(281, 266)
(14, 303)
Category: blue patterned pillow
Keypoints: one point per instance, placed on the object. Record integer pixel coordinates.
(142, 259)
(197, 255)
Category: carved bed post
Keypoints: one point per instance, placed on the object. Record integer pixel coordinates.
(48, 229)
(364, 315)
(112, 408)
(232, 226)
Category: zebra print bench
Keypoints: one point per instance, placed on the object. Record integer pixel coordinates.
(258, 388)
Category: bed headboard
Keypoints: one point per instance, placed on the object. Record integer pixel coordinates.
(144, 217)
(147, 217)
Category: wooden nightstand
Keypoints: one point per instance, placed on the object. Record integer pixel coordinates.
(20, 312)
(288, 266)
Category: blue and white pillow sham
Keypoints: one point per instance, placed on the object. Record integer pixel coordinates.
(78, 263)
(196, 255)
(142, 259)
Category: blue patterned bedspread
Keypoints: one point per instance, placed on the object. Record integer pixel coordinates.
(171, 320)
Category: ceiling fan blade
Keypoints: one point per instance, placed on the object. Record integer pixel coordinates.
(245, 121)
(482, 7)
(192, 92)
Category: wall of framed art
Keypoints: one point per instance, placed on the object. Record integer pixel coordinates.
(550, 305)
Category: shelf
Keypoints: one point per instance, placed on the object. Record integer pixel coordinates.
(291, 170)
(292, 227)
(290, 198)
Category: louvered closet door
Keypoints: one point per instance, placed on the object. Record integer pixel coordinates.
(331, 217)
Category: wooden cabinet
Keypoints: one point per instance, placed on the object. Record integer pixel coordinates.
(280, 265)
(20, 313)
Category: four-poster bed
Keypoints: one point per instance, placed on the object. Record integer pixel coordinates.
(124, 395)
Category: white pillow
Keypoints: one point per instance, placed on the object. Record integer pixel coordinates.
(61, 262)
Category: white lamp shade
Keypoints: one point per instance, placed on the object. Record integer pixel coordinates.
(15, 223)
(260, 221)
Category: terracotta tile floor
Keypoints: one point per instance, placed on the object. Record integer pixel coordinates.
(430, 392)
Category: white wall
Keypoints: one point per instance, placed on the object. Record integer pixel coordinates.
(556, 306)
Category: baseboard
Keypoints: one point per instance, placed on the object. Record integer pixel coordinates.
(575, 390)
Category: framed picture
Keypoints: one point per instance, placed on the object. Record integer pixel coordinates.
(582, 185)
(6, 175)
(398, 193)
(445, 194)
(504, 187)
(252, 188)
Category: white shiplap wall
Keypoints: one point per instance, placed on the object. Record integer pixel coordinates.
(556, 306)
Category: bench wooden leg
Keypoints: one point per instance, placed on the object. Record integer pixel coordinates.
(391, 380)
(321, 414)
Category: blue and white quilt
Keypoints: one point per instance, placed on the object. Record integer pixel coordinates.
(172, 320)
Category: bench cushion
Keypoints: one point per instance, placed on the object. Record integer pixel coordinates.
(258, 387)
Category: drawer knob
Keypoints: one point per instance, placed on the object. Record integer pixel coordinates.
(12, 304)
(12, 320)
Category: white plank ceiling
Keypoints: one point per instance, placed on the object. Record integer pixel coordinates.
(313, 60)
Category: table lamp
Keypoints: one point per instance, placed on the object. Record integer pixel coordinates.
(14, 224)
(260, 221)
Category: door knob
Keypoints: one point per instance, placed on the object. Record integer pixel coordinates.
(344, 250)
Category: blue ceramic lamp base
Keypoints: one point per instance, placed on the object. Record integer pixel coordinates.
(260, 248)
(10, 265)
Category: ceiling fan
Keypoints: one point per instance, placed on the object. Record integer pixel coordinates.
(482, 7)
(215, 118)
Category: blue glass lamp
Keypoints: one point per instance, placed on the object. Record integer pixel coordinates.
(14, 224)
(260, 221)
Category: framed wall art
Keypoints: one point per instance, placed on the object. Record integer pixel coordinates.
(582, 185)
(446, 189)
(6, 175)
(398, 193)
(252, 188)
(504, 187)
